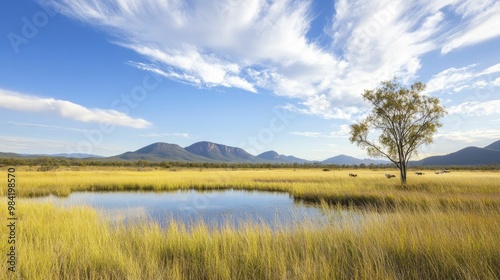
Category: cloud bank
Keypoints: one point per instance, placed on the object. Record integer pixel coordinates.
(66, 109)
(259, 45)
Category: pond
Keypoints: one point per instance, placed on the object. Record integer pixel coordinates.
(214, 208)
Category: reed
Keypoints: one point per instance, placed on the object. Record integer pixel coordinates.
(74, 243)
(457, 189)
(436, 227)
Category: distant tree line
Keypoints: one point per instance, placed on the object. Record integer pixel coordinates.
(51, 163)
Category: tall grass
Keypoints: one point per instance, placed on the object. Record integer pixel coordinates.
(436, 227)
(471, 189)
(74, 243)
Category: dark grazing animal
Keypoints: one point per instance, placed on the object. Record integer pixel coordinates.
(389, 176)
(353, 175)
(419, 173)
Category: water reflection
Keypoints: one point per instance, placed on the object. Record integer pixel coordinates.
(214, 208)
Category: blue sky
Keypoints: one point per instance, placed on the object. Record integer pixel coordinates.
(105, 77)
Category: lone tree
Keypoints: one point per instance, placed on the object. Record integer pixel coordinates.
(405, 118)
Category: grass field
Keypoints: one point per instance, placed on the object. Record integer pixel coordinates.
(437, 227)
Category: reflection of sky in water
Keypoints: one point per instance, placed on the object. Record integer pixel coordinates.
(214, 208)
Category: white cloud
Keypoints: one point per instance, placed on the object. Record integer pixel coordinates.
(485, 19)
(263, 44)
(44, 126)
(476, 108)
(454, 80)
(319, 106)
(66, 109)
(495, 69)
(341, 131)
(161, 135)
(306, 133)
(20, 144)
(469, 136)
(48, 146)
(450, 79)
(496, 82)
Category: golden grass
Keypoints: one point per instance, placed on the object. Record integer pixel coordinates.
(464, 189)
(58, 243)
(437, 227)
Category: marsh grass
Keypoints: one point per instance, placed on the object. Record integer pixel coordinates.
(474, 189)
(75, 243)
(436, 227)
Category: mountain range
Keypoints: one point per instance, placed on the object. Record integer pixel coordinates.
(162, 152)
(212, 152)
(343, 159)
(466, 156)
(62, 155)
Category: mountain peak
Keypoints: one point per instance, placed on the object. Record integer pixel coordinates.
(465, 156)
(269, 155)
(275, 157)
(220, 152)
(494, 146)
(163, 152)
(158, 148)
(345, 159)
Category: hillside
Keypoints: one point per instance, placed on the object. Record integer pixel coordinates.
(10, 155)
(65, 155)
(494, 146)
(162, 152)
(466, 156)
(348, 160)
(212, 152)
(221, 153)
(277, 158)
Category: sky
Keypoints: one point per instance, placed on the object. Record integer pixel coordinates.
(106, 77)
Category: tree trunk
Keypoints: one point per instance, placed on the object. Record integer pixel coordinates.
(402, 172)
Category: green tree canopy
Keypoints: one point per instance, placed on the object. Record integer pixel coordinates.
(405, 117)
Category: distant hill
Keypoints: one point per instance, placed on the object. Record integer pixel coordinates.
(275, 157)
(494, 146)
(10, 155)
(466, 156)
(72, 155)
(162, 152)
(212, 152)
(348, 160)
(221, 153)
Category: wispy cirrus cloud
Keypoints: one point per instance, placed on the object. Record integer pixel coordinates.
(339, 131)
(66, 109)
(307, 133)
(32, 145)
(476, 108)
(483, 24)
(262, 44)
(8, 143)
(44, 126)
(469, 136)
(162, 135)
(453, 80)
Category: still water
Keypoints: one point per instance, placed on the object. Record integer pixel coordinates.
(214, 208)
